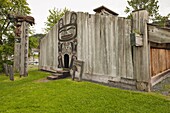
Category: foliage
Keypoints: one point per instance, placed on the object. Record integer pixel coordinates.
(54, 16)
(162, 21)
(9, 7)
(34, 94)
(34, 41)
(150, 5)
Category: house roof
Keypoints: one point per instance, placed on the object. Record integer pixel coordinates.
(99, 9)
(164, 28)
(139, 10)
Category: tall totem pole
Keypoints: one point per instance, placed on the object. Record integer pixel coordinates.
(22, 44)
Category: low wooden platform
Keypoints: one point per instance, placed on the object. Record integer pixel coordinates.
(59, 74)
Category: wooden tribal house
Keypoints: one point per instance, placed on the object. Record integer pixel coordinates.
(125, 53)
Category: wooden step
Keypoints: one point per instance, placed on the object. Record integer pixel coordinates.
(56, 74)
(52, 77)
(62, 71)
(59, 75)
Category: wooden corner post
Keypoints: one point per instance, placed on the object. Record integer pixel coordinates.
(141, 53)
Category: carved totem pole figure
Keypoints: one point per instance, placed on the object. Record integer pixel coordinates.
(67, 46)
(22, 44)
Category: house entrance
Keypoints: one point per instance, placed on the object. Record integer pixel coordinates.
(66, 61)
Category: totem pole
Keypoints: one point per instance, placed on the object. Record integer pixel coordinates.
(24, 49)
(22, 43)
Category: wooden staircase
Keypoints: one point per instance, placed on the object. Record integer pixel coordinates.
(59, 74)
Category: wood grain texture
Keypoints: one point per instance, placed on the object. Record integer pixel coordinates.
(24, 49)
(103, 45)
(158, 35)
(140, 54)
(160, 61)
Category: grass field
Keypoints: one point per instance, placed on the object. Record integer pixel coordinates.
(34, 95)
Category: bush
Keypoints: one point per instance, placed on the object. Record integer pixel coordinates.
(1, 68)
(9, 62)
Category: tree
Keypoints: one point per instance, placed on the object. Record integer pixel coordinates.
(34, 41)
(9, 7)
(150, 5)
(34, 44)
(54, 16)
(168, 21)
(162, 21)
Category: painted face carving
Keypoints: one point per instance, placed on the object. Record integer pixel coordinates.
(69, 31)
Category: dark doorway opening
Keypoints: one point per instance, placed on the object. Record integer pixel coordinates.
(66, 61)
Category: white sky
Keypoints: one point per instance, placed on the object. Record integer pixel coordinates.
(39, 8)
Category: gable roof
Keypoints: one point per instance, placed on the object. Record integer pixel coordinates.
(99, 9)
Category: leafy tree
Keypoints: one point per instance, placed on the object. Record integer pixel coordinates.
(150, 5)
(162, 21)
(9, 7)
(34, 41)
(54, 16)
(168, 21)
(34, 44)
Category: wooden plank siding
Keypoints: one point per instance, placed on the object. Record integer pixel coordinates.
(103, 44)
(140, 54)
(141, 58)
(160, 60)
(158, 35)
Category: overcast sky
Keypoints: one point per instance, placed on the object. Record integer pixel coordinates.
(39, 8)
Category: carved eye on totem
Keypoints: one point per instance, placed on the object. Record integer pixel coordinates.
(73, 18)
(60, 23)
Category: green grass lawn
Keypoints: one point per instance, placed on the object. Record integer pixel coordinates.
(30, 95)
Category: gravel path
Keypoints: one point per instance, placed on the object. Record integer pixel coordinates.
(163, 87)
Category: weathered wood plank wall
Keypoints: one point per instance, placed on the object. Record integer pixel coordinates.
(104, 45)
(141, 54)
(160, 60)
(159, 53)
(158, 35)
(49, 48)
(49, 51)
